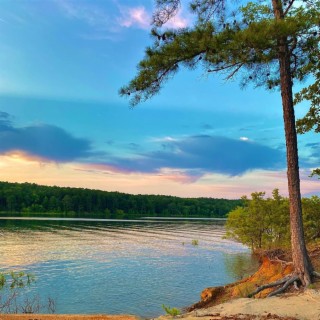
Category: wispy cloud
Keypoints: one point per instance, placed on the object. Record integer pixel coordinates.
(91, 14)
(109, 18)
(100, 21)
(179, 21)
(134, 17)
(140, 17)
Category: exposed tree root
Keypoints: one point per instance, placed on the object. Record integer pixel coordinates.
(286, 281)
(284, 287)
(282, 262)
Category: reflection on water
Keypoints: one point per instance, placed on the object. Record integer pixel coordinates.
(240, 266)
(120, 266)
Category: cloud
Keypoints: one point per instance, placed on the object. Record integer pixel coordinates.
(206, 126)
(93, 15)
(5, 120)
(102, 24)
(134, 17)
(315, 145)
(139, 17)
(46, 142)
(178, 21)
(106, 23)
(199, 155)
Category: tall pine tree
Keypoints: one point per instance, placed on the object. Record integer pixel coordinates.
(272, 43)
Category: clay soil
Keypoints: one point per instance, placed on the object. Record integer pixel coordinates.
(65, 317)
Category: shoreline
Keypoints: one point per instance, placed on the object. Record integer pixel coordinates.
(290, 306)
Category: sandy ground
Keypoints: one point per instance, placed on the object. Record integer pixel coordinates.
(303, 306)
(65, 317)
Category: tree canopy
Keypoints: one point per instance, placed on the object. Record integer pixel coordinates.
(263, 223)
(30, 199)
(245, 41)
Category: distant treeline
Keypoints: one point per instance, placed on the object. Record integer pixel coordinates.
(30, 198)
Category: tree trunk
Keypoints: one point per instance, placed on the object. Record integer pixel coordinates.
(301, 260)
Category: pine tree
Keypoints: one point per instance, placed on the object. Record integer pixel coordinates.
(270, 42)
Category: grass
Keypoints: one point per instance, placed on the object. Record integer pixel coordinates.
(195, 242)
(171, 311)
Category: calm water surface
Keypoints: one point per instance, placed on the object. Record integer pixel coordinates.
(121, 266)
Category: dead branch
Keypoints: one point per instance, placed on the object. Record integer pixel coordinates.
(316, 274)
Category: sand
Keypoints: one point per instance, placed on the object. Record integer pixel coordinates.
(65, 317)
(302, 306)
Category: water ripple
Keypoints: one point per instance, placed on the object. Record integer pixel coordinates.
(117, 266)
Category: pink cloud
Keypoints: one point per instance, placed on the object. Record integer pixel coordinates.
(139, 17)
(101, 168)
(135, 17)
(21, 167)
(178, 21)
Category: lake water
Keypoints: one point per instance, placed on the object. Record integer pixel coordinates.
(121, 266)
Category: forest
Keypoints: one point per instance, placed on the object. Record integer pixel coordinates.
(28, 199)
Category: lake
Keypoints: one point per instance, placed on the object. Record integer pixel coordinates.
(103, 266)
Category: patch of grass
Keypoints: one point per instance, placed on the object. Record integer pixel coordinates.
(195, 242)
(171, 311)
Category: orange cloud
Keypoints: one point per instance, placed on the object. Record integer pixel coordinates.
(19, 167)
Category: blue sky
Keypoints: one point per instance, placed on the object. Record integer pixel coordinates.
(63, 123)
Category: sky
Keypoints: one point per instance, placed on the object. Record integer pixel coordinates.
(62, 121)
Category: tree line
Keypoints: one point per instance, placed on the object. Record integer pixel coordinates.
(30, 198)
(263, 223)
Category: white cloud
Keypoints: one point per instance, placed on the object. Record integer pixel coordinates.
(244, 138)
(134, 17)
(105, 23)
(141, 18)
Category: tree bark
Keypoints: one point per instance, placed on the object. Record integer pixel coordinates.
(301, 261)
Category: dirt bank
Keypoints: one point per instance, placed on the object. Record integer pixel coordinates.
(65, 317)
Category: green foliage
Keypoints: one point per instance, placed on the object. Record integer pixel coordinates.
(31, 199)
(15, 299)
(264, 223)
(244, 38)
(171, 311)
(15, 280)
(195, 242)
(311, 93)
(311, 217)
